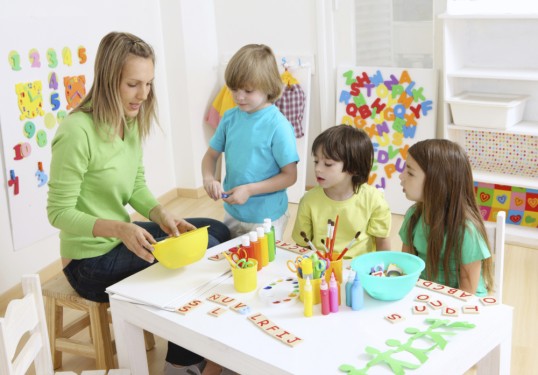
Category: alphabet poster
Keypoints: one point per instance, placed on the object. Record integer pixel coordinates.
(397, 108)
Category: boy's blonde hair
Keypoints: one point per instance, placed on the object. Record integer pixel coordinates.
(254, 67)
(103, 100)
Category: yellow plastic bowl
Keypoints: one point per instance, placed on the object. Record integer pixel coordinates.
(188, 248)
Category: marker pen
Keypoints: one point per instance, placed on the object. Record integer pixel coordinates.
(308, 298)
(245, 244)
(349, 283)
(257, 250)
(357, 294)
(324, 296)
(262, 239)
(270, 233)
(308, 269)
(333, 294)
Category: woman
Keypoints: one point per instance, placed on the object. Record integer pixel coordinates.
(96, 170)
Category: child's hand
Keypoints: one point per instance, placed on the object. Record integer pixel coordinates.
(238, 195)
(213, 189)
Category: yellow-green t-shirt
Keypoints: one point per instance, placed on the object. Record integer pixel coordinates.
(367, 212)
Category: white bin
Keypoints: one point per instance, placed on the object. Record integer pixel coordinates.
(484, 110)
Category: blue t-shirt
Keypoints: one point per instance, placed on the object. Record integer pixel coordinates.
(474, 248)
(256, 146)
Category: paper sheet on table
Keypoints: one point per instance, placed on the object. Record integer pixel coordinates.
(167, 289)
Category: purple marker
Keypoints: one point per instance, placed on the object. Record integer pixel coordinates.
(224, 195)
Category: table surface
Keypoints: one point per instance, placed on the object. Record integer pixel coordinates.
(329, 341)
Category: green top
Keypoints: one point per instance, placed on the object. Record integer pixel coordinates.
(474, 248)
(367, 212)
(93, 178)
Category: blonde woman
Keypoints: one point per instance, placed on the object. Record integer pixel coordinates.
(96, 170)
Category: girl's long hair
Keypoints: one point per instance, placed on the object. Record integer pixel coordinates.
(448, 204)
(103, 101)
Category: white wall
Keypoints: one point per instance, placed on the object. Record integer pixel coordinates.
(288, 27)
(20, 20)
(192, 40)
(191, 72)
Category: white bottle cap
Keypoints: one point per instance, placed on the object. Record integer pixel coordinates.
(245, 240)
(260, 232)
(253, 236)
(267, 220)
(266, 227)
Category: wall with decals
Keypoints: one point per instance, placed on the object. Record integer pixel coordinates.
(397, 108)
(46, 65)
(40, 85)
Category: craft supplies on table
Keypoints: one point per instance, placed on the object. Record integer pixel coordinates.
(290, 338)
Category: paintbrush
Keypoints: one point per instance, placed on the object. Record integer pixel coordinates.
(305, 238)
(349, 245)
(334, 234)
(325, 247)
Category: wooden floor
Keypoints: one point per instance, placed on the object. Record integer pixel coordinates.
(520, 291)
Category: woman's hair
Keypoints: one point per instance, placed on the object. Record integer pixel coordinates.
(254, 67)
(448, 205)
(103, 100)
(350, 145)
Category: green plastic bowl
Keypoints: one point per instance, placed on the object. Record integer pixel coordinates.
(388, 288)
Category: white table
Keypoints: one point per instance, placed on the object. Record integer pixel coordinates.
(329, 341)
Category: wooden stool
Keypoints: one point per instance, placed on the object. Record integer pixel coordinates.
(58, 295)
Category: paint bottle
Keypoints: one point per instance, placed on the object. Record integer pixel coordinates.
(308, 298)
(262, 239)
(245, 244)
(270, 233)
(324, 297)
(256, 247)
(349, 283)
(333, 294)
(357, 294)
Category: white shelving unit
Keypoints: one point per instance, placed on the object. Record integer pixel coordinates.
(494, 53)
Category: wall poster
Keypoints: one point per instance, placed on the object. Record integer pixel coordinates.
(39, 85)
(397, 108)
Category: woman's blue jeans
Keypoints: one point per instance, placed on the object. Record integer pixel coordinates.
(90, 277)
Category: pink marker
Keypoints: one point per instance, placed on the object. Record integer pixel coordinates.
(333, 294)
(324, 294)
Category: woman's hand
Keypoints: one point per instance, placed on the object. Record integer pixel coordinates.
(138, 240)
(168, 223)
(135, 238)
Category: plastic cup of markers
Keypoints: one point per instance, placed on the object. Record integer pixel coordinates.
(315, 289)
(246, 279)
(336, 266)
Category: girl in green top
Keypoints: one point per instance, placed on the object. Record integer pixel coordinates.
(444, 226)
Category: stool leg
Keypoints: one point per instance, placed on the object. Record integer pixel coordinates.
(149, 340)
(54, 315)
(104, 352)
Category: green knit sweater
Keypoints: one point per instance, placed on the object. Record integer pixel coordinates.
(92, 178)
